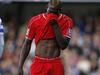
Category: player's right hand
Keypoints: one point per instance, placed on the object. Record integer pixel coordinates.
(20, 71)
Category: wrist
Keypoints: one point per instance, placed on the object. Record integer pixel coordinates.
(55, 27)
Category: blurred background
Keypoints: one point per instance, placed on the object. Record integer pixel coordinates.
(82, 57)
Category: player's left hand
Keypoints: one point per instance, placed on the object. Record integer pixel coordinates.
(54, 23)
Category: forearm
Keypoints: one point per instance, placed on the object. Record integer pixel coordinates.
(61, 40)
(24, 52)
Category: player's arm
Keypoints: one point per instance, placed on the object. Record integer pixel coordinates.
(24, 53)
(26, 45)
(61, 40)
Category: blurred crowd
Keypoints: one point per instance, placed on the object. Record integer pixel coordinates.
(82, 57)
(83, 54)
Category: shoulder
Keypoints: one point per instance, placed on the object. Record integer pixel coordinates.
(36, 18)
(33, 19)
(67, 17)
(69, 21)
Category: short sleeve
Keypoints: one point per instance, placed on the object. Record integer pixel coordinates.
(69, 24)
(30, 34)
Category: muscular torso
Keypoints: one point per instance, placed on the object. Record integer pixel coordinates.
(47, 48)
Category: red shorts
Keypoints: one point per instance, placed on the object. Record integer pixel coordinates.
(43, 66)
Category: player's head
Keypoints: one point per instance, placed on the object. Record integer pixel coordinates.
(54, 6)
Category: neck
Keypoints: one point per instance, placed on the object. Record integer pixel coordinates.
(52, 12)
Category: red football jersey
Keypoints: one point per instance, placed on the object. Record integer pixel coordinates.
(39, 27)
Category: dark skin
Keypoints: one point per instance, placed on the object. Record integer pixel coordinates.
(49, 48)
(24, 53)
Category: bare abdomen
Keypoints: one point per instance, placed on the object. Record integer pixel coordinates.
(47, 49)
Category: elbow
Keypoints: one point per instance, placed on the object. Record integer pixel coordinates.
(65, 44)
(64, 47)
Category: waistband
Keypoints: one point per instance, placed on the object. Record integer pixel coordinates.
(47, 59)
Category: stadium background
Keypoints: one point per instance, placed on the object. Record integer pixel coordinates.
(83, 54)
